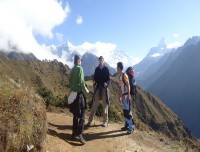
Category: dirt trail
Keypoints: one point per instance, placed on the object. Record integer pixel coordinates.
(100, 139)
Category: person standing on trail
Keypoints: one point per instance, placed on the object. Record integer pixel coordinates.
(78, 107)
(100, 84)
(125, 99)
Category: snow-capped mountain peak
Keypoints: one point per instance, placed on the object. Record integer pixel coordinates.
(159, 51)
(66, 51)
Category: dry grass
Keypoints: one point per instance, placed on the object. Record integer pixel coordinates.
(52, 75)
(22, 119)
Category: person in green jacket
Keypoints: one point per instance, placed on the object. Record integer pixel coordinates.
(78, 107)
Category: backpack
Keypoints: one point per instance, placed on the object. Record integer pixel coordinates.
(132, 82)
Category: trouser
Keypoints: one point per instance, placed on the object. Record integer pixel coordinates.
(78, 110)
(128, 117)
(95, 105)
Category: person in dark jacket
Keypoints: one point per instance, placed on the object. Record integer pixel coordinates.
(100, 83)
(78, 107)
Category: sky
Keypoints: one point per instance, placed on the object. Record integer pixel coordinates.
(133, 26)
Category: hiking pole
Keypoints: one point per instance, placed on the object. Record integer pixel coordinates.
(95, 111)
(94, 119)
(92, 101)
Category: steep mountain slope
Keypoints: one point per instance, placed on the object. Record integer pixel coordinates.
(52, 75)
(179, 87)
(153, 72)
(154, 55)
(150, 112)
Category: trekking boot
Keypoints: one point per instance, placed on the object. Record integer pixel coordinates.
(130, 132)
(124, 128)
(73, 137)
(81, 139)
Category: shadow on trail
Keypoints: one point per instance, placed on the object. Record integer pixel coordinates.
(64, 136)
(88, 136)
(103, 135)
(61, 127)
(93, 126)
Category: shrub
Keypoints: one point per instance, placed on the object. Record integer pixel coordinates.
(50, 99)
(22, 120)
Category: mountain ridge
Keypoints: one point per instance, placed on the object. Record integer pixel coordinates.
(182, 77)
(13, 55)
(66, 51)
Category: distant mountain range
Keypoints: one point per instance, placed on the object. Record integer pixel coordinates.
(153, 65)
(90, 58)
(175, 79)
(18, 56)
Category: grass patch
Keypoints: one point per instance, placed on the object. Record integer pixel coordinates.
(22, 120)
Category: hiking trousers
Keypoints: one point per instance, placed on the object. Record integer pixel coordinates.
(78, 109)
(95, 105)
(128, 117)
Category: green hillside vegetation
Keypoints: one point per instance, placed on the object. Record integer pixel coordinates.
(52, 75)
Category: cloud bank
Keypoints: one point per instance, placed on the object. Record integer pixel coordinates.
(22, 20)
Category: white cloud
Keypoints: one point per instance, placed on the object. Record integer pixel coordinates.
(176, 35)
(98, 48)
(79, 20)
(174, 45)
(22, 20)
(59, 37)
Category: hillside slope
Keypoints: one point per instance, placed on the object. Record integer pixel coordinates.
(151, 113)
(179, 87)
(50, 74)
